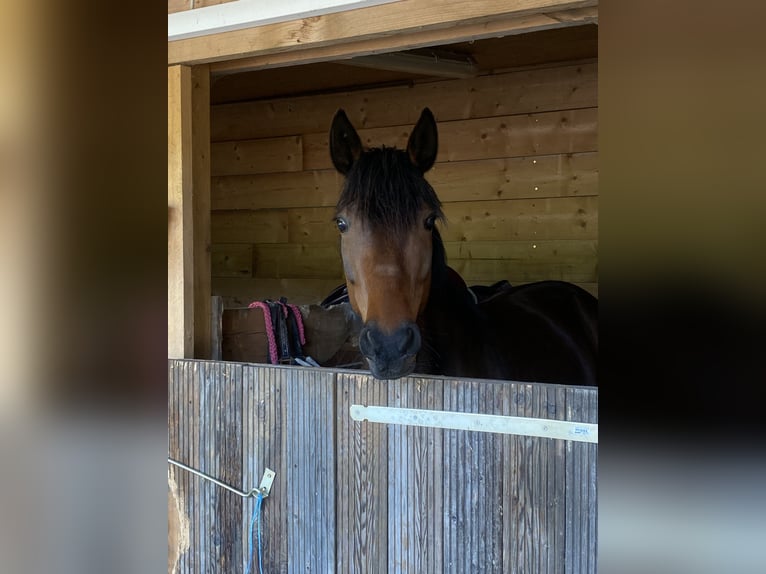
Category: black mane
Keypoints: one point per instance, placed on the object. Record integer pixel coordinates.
(387, 190)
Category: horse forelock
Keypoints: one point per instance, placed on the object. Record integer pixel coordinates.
(387, 191)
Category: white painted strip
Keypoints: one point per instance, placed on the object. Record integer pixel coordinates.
(525, 426)
(250, 13)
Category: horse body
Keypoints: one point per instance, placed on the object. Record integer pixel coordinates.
(544, 332)
(417, 313)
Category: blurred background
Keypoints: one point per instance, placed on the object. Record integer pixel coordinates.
(83, 372)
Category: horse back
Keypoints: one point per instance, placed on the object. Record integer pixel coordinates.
(548, 331)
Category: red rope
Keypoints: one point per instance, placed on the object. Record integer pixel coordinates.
(299, 320)
(269, 329)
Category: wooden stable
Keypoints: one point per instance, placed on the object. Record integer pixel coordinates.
(250, 184)
(517, 172)
(251, 192)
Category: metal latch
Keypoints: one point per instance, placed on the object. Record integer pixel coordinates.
(266, 481)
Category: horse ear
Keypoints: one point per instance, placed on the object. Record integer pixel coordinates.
(424, 142)
(345, 145)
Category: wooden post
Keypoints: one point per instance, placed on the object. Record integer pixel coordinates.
(188, 212)
(200, 78)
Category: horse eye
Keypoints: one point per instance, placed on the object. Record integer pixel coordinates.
(429, 222)
(342, 224)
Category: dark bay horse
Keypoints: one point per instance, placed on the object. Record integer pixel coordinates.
(417, 313)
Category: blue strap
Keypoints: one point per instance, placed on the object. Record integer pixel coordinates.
(256, 516)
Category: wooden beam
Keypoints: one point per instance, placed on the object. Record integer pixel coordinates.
(410, 40)
(189, 287)
(222, 16)
(200, 78)
(386, 28)
(180, 220)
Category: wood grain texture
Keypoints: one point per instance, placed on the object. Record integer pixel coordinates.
(264, 442)
(216, 336)
(249, 226)
(567, 131)
(522, 92)
(257, 156)
(518, 162)
(200, 167)
(554, 218)
(238, 292)
(558, 175)
(473, 469)
(179, 5)
(518, 26)
(312, 225)
(310, 452)
(376, 24)
(189, 288)
(524, 261)
(180, 214)
(539, 176)
(363, 497)
(362, 479)
(416, 477)
(203, 3)
(232, 260)
(297, 261)
(202, 391)
(279, 190)
(485, 272)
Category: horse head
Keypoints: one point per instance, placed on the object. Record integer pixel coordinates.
(386, 216)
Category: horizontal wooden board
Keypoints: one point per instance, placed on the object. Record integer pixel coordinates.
(500, 220)
(557, 175)
(528, 91)
(265, 226)
(203, 3)
(488, 271)
(545, 251)
(516, 219)
(309, 261)
(479, 262)
(179, 5)
(300, 189)
(240, 292)
(312, 225)
(231, 260)
(256, 156)
(404, 25)
(568, 131)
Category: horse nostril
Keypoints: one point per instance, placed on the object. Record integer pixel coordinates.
(410, 340)
(366, 342)
(406, 341)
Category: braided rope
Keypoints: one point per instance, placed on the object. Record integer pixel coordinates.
(273, 355)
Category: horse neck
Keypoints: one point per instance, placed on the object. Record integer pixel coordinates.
(450, 313)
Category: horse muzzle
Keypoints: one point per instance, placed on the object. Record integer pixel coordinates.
(390, 355)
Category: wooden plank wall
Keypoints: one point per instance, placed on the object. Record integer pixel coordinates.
(362, 497)
(517, 172)
(182, 5)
